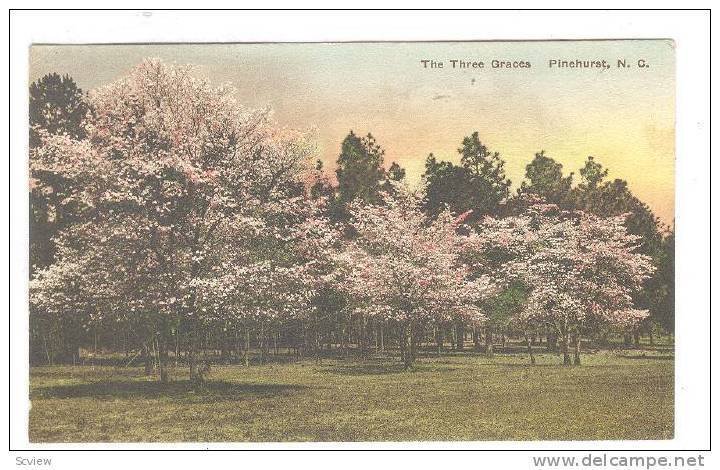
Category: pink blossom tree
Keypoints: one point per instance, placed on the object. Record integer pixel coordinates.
(272, 274)
(171, 170)
(581, 270)
(405, 268)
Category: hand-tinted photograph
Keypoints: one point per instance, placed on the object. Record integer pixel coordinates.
(373, 241)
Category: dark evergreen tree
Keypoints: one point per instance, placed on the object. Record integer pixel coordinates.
(611, 198)
(57, 105)
(361, 174)
(360, 171)
(661, 288)
(396, 172)
(545, 179)
(478, 183)
(592, 174)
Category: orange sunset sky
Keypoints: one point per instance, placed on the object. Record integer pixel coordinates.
(624, 117)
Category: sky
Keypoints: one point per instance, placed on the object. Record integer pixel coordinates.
(623, 116)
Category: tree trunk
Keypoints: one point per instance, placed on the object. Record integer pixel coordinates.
(246, 353)
(382, 337)
(460, 335)
(362, 337)
(318, 341)
(551, 344)
(162, 359)
(343, 343)
(403, 346)
(566, 349)
(193, 353)
(407, 345)
(489, 351)
(147, 358)
(476, 339)
(224, 352)
(262, 342)
(47, 351)
(576, 359)
(528, 343)
(237, 349)
(413, 344)
(439, 338)
(177, 345)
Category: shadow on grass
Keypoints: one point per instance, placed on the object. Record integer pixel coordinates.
(365, 369)
(211, 391)
(361, 369)
(647, 348)
(431, 354)
(643, 356)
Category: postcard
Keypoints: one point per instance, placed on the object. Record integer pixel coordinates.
(368, 241)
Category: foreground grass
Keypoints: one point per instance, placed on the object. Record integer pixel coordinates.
(613, 395)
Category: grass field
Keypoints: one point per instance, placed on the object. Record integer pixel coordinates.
(613, 395)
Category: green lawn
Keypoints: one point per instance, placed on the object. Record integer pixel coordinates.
(613, 395)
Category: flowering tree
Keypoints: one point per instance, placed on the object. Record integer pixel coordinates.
(405, 268)
(169, 170)
(274, 272)
(581, 270)
(192, 213)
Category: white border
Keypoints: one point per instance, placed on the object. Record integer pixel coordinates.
(690, 30)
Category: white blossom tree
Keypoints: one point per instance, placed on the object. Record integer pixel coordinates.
(273, 273)
(581, 270)
(170, 169)
(405, 268)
